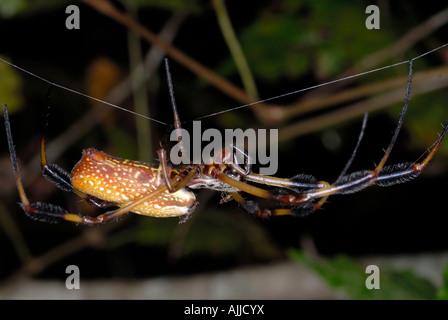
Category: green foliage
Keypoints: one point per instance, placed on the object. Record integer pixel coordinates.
(344, 273)
(124, 144)
(155, 232)
(210, 234)
(9, 8)
(10, 87)
(309, 37)
(424, 118)
(442, 293)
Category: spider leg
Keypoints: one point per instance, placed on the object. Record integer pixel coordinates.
(304, 203)
(350, 160)
(61, 178)
(177, 182)
(52, 213)
(362, 179)
(389, 175)
(300, 204)
(355, 150)
(252, 208)
(298, 183)
(177, 123)
(58, 176)
(52, 172)
(114, 214)
(359, 180)
(165, 169)
(301, 182)
(401, 173)
(109, 216)
(38, 210)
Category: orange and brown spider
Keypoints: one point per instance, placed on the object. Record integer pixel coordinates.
(161, 191)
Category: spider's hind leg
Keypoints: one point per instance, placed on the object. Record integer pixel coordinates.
(39, 210)
(61, 179)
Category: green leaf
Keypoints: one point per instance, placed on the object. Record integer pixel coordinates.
(10, 87)
(310, 38)
(442, 292)
(344, 273)
(9, 8)
(155, 232)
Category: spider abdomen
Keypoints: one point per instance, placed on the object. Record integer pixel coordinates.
(122, 181)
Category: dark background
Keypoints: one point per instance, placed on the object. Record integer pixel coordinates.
(314, 43)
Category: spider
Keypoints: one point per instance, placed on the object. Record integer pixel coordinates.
(125, 185)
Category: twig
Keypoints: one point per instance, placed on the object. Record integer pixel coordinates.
(219, 82)
(235, 48)
(345, 96)
(399, 47)
(420, 84)
(404, 43)
(14, 235)
(91, 237)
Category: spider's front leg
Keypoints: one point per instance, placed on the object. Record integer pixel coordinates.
(312, 199)
(383, 175)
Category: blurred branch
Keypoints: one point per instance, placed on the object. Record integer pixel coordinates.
(15, 236)
(271, 114)
(403, 44)
(90, 237)
(116, 95)
(140, 97)
(400, 46)
(323, 97)
(235, 48)
(347, 95)
(209, 75)
(423, 82)
(146, 69)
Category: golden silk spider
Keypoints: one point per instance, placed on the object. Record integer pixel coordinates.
(125, 185)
